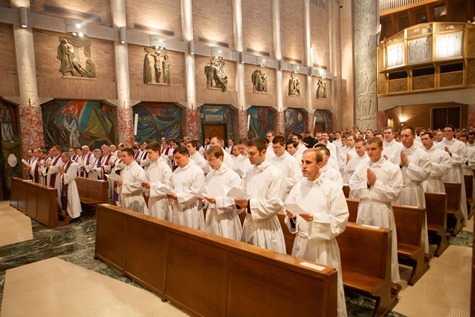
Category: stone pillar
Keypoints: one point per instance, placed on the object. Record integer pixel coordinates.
(280, 122)
(125, 127)
(336, 92)
(29, 110)
(365, 23)
(278, 56)
(308, 60)
(191, 124)
(187, 30)
(126, 130)
(242, 124)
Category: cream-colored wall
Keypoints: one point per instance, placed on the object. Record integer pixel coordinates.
(50, 81)
(8, 70)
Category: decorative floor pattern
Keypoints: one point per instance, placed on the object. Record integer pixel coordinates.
(463, 239)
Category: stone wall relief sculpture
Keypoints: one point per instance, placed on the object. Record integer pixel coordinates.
(259, 81)
(215, 76)
(321, 89)
(156, 66)
(74, 53)
(294, 85)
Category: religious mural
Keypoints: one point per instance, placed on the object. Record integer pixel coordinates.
(157, 120)
(261, 120)
(73, 123)
(219, 114)
(10, 158)
(294, 121)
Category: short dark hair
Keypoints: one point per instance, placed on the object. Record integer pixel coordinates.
(259, 143)
(413, 132)
(375, 140)
(154, 146)
(182, 150)
(427, 133)
(450, 126)
(129, 151)
(279, 140)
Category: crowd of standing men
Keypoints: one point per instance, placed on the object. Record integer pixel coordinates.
(301, 175)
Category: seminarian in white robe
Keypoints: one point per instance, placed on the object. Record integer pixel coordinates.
(159, 174)
(242, 164)
(329, 173)
(265, 185)
(222, 216)
(200, 161)
(458, 156)
(440, 165)
(412, 193)
(131, 190)
(392, 151)
(289, 166)
(316, 240)
(68, 195)
(352, 164)
(187, 181)
(375, 206)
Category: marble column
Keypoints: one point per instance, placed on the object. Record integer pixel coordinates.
(125, 129)
(279, 126)
(365, 23)
(280, 122)
(187, 34)
(242, 124)
(31, 122)
(191, 124)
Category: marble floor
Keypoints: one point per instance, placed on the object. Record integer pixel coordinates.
(57, 275)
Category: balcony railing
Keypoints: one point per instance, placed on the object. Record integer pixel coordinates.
(385, 5)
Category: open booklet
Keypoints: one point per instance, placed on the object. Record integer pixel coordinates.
(295, 209)
(114, 177)
(25, 162)
(237, 194)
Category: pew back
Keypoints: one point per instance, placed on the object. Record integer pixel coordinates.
(207, 275)
(92, 191)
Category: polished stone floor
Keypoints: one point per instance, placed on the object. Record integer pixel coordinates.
(75, 244)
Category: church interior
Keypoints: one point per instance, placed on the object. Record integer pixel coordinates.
(104, 72)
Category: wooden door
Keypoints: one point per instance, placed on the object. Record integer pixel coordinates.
(443, 116)
(211, 130)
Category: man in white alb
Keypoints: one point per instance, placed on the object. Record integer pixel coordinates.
(440, 164)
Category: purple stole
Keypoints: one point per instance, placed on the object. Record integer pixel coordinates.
(116, 194)
(75, 157)
(52, 177)
(85, 161)
(64, 189)
(137, 155)
(99, 164)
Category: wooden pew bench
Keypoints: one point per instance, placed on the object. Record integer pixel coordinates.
(454, 214)
(409, 221)
(207, 275)
(92, 192)
(36, 201)
(469, 194)
(436, 208)
(366, 263)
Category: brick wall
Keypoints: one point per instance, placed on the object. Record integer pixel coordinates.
(319, 34)
(9, 77)
(213, 20)
(257, 25)
(100, 8)
(50, 81)
(161, 14)
(176, 92)
(292, 29)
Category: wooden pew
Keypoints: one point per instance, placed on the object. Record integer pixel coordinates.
(346, 190)
(469, 194)
(36, 201)
(92, 191)
(454, 214)
(436, 208)
(207, 275)
(352, 208)
(366, 263)
(410, 250)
